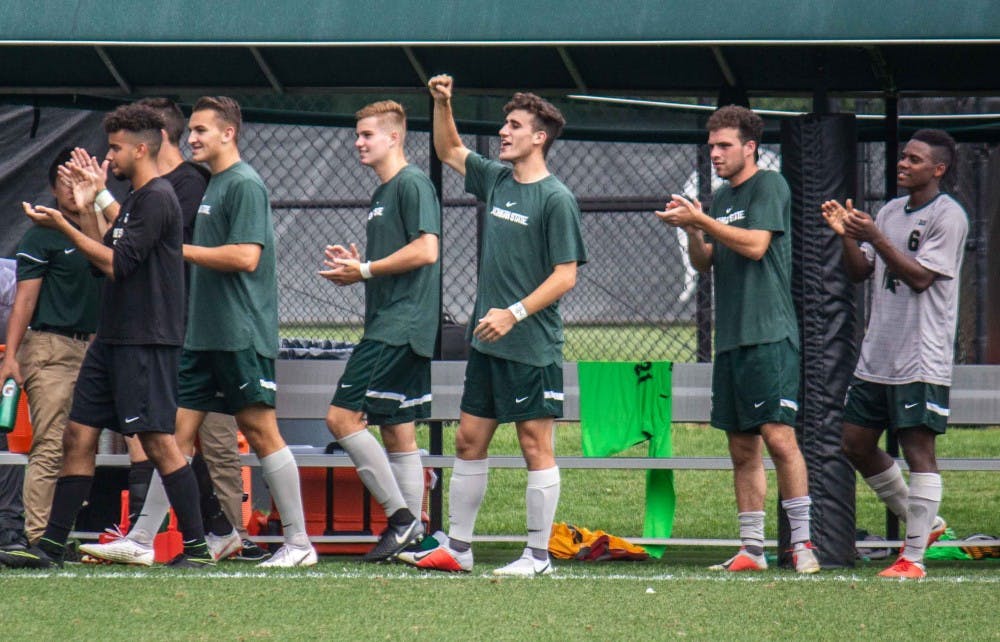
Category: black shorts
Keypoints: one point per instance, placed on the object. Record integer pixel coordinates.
(126, 388)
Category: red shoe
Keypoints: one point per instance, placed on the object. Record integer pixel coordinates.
(904, 569)
(742, 561)
(441, 558)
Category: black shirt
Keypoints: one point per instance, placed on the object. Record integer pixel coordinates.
(144, 303)
(189, 181)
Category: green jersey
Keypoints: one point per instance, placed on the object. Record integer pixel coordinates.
(528, 229)
(233, 311)
(403, 309)
(753, 299)
(70, 292)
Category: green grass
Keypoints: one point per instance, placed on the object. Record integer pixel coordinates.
(674, 597)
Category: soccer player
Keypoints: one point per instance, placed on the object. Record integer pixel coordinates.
(912, 251)
(388, 377)
(218, 442)
(53, 319)
(128, 380)
(746, 241)
(232, 333)
(531, 246)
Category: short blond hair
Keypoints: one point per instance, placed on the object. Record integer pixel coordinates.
(388, 112)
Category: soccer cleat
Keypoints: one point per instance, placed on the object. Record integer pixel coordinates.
(393, 540)
(525, 566)
(290, 556)
(250, 552)
(742, 561)
(183, 560)
(804, 558)
(224, 546)
(937, 530)
(122, 551)
(904, 569)
(30, 557)
(441, 558)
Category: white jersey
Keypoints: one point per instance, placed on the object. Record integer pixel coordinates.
(911, 335)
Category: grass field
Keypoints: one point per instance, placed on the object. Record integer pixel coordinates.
(671, 598)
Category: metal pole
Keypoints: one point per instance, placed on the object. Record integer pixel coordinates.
(435, 507)
(891, 157)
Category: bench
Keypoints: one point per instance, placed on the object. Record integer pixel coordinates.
(306, 386)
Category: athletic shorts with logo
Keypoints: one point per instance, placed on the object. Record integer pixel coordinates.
(127, 388)
(755, 385)
(879, 406)
(508, 391)
(390, 384)
(224, 381)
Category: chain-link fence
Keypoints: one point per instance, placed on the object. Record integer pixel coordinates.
(637, 298)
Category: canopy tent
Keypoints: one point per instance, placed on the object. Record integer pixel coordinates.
(294, 56)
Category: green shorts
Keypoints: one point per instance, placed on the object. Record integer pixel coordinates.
(879, 406)
(755, 385)
(507, 391)
(390, 384)
(226, 382)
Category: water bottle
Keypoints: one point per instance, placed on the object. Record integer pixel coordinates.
(8, 405)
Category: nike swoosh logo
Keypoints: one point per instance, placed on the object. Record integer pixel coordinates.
(910, 405)
(405, 537)
(520, 399)
(347, 385)
(759, 404)
(245, 384)
(511, 203)
(69, 250)
(131, 419)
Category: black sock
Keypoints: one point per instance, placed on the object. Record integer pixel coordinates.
(71, 492)
(458, 545)
(214, 520)
(401, 517)
(139, 476)
(182, 491)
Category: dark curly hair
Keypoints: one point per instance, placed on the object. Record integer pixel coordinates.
(140, 120)
(546, 116)
(942, 146)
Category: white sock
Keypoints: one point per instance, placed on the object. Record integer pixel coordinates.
(409, 475)
(154, 511)
(797, 509)
(752, 530)
(925, 498)
(465, 495)
(373, 468)
(281, 475)
(541, 498)
(890, 487)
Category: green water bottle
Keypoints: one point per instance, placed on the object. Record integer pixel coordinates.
(8, 405)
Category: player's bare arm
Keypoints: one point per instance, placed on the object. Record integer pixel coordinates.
(860, 226)
(25, 301)
(96, 252)
(232, 257)
(447, 143)
(856, 264)
(345, 270)
(497, 322)
(751, 244)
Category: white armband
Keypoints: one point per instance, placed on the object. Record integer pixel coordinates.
(104, 199)
(366, 270)
(520, 314)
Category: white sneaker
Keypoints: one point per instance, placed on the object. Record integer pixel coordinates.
(123, 551)
(224, 546)
(804, 558)
(290, 556)
(525, 566)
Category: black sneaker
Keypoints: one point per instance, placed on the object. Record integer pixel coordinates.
(393, 540)
(30, 557)
(252, 553)
(184, 560)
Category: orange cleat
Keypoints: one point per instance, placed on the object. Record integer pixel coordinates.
(904, 569)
